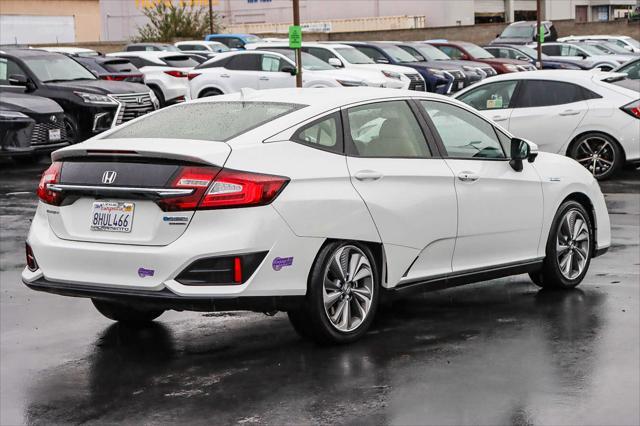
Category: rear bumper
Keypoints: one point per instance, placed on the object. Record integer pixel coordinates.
(165, 299)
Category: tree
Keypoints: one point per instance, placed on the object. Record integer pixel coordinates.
(168, 21)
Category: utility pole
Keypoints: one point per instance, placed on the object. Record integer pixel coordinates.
(296, 23)
(210, 17)
(539, 32)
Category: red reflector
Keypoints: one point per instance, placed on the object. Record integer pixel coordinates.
(177, 73)
(237, 269)
(233, 188)
(31, 259)
(193, 75)
(51, 175)
(110, 152)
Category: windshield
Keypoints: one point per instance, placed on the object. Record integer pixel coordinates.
(632, 70)
(218, 47)
(477, 51)
(517, 31)
(354, 56)
(591, 49)
(57, 68)
(431, 52)
(615, 48)
(252, 39)
(218, 121)
(398, 54)
(309, 62)
(632, 41)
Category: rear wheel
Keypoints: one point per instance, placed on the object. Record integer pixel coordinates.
(343, 295)
(125, 313)
(568, 252)
(599, 153)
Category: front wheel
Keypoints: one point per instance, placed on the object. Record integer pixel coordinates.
(125, 313)
(71, 129)
(568, 252)
(342, 298)
(599, 153)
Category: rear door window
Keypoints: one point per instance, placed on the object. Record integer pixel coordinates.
(540, 93)
(245, 62)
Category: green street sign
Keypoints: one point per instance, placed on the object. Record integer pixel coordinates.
(295, 37)
(541, 33)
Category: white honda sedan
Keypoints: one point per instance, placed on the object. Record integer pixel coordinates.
(593, 117)
(317, 202)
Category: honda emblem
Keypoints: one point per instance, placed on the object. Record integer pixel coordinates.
(109, 176)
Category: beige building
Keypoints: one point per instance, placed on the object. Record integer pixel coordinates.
(49, 21)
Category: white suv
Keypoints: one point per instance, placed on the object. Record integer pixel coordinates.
(348, 57)
(232, 71)
(164, 72)
(626, 42)
(201, 47)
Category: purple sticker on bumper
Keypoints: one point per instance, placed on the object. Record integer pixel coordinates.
(280, 262)
(143, 272)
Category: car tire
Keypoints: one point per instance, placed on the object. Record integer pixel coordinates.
(160, 96)
(209, 92)
(125, 313)
(569, 248)
(601, 149)
(71, 128)
(342, 296)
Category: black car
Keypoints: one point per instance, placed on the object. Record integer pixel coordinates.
(90, 105)
(109, 68)
(525, 53)
(524, 32)
(30, 125)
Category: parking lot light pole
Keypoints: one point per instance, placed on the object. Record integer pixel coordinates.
(540, 33)
(210, 17)
(296, 23)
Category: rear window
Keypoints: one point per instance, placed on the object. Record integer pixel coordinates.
(217, 121)
(119, 65)
(180, 61)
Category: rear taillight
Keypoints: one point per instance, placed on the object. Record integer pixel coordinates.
(31, 259)
(632, 109)
(50, 176)
(193, 75)
(176, 73)
(233, 188)
(215, 188)
(122, 77)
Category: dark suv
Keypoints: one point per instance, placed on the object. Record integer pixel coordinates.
(524, 32)
(90, 105)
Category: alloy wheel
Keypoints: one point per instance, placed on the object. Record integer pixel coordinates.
(348, 288)
(572, 244)
(596, 154)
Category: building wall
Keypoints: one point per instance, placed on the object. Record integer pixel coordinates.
(86, 14)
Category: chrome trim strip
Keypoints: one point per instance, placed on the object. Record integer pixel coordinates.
(160, 192)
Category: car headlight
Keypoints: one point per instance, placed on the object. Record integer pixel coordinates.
(92, 98)
(511, 68)
(391, 74)
(12, 115)
(154, 100)
(350, 83)
(436, 72)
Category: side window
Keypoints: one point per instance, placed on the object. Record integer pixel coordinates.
(371, 52)
(4, 74)
(249, 62)
(270, 63)
(235, 43)
(551, 50)
(413, 52)
(495, 52)
(491, 96)
(320, 53)
(463, 134)
(452, 52)
(325, 133)
(198, 47)
(386, 129)
(541, 93)
(138, 62)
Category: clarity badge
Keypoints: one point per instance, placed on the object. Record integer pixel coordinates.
(143, 272)
(280, 262)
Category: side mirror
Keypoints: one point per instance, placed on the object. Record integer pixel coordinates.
(382, 61)
(335, 62)
(290, 70)
(522, 58)
(522, 150)
(18, 80)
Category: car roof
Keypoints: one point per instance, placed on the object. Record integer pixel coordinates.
(153, 54)
(66, 49)
(28, 52)
(528, 23)
(232, 35)
(149, 44)
(564, 75)
(281, 44)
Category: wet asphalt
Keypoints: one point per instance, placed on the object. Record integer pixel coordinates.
(493, 353)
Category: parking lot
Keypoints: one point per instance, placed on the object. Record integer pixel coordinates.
(505, 353)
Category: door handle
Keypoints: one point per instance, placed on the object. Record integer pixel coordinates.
(499, 118)
(225, 75)
(264, 78)
(468, 176)
(569, 112)
(368, 175)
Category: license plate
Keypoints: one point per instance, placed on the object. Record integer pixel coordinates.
(460, 85)
(54, 135)
(112, 216)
